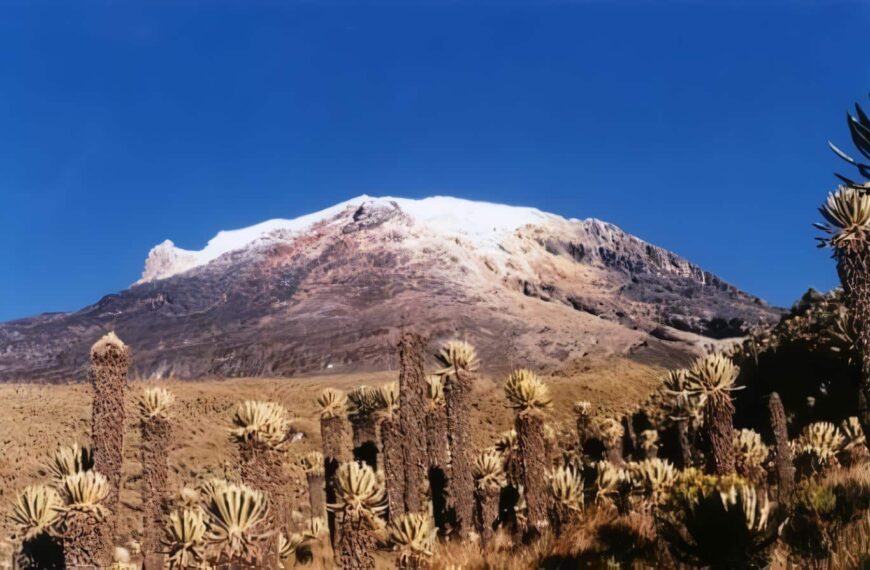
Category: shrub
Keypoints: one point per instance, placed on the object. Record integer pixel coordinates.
(703, 510)
(823, 509)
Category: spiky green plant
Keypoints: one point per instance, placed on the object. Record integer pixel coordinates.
(288, 545)
(81, 518)
(653, 478)
(435, 388)
(312, 462)
(649, 443)
(854, 450)
(611, 432)
(488, 470)
(713, 377)
(261, 423)
(525, 391)
(262, 430)
(684, 408)
(332, 403)
(155, 402)
(363, 400)
(312, 465)
(489, 478)
(683, 401)
(359, 502)
(84, 491)
(413, 535)
(237, 521)
(35, 510)
(184, 538)
(852, 432)
(847, 216)
(817, 446)
(750, 455)
(33, 515)
(360, 494)
(508, 445)
(70, 460)
(387, 397)
(208, 489)
(457, 356)
(565, 485)
(300, 543)
(583, 417)
(613, 485)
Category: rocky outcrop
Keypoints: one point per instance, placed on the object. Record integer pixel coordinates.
(165, 259)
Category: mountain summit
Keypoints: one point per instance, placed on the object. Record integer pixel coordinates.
(331, 290)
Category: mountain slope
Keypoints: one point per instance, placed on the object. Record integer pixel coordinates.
(331, 290)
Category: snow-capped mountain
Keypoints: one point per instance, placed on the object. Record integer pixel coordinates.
(331, 290)
(483, 224)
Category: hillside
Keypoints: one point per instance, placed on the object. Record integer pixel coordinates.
(330, 291)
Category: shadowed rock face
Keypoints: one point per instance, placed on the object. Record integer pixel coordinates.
(337, 294)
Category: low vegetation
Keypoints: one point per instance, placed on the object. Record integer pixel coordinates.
(728, 464)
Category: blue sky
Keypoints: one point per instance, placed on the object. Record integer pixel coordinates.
(697, 126)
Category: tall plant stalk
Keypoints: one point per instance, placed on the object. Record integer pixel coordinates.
(529, 397)
(391, 438)
(413, 397)
(783, 457)
(847, 216)
(110, 361)
(156, 435)
(712, 378)
(336, 445)
(459, 360)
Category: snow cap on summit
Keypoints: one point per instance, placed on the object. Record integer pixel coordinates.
(484, 224)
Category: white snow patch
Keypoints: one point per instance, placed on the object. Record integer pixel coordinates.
(483, 224)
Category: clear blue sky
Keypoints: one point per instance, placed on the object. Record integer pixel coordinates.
(696, 126)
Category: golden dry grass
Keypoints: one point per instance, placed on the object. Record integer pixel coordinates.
(39, 418)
